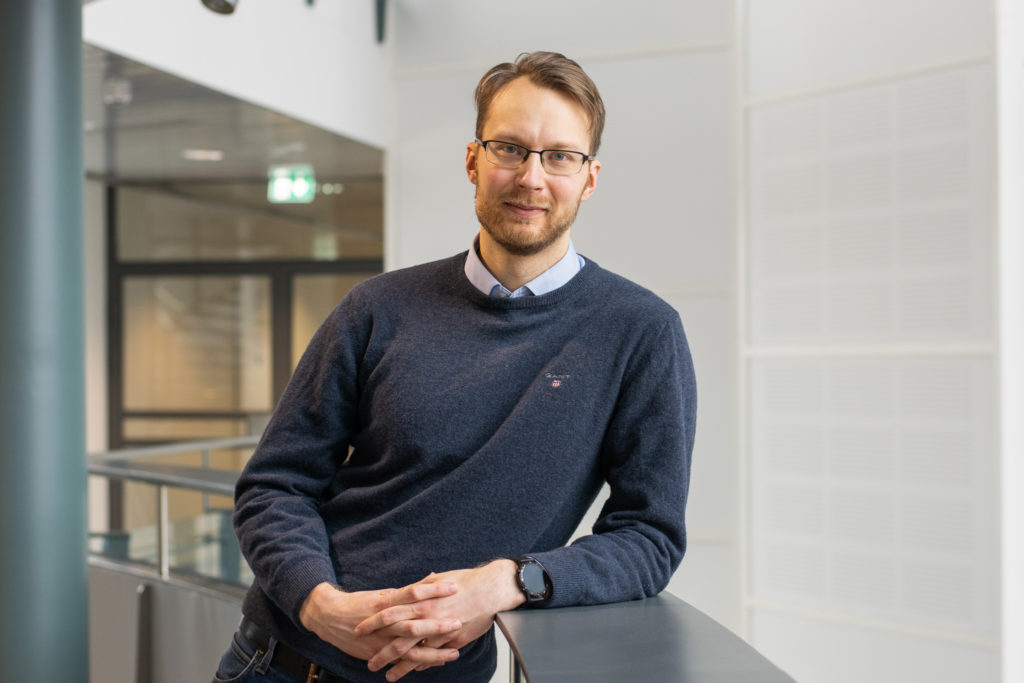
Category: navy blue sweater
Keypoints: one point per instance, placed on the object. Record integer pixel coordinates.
(429, 427)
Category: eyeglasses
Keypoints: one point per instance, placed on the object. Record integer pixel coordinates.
(554, 161)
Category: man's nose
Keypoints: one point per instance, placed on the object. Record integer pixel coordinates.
(531, 172)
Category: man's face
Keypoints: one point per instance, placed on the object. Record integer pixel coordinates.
(526, 210)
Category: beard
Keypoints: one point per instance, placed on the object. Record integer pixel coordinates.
(523, 236)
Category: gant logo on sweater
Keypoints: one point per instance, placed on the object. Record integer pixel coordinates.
(556, 379)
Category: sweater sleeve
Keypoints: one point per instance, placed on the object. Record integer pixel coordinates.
(278, 494)
(639, 538)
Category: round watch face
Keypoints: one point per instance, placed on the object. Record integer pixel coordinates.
(533, 578)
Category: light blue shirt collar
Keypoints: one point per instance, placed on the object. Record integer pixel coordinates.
(548, 281)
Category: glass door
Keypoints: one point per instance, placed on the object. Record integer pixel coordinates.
(197, 356)
(212, 299)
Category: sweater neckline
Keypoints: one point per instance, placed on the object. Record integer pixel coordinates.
(582, 281)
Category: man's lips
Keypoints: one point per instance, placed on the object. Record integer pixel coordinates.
(525, 210)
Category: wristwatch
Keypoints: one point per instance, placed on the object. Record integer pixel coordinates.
(533, 580)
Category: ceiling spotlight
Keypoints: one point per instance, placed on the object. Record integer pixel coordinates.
(203, 154)
(221, 6)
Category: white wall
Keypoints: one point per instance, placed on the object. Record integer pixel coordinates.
(1011, 327)
(662, 214)
(320, 64)
(869, 356)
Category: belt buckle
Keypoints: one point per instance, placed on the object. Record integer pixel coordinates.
(314, 673)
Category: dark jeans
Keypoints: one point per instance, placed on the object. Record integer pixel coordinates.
(244, 663)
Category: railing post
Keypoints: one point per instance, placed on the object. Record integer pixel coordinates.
(205, 454)
(163, 535)
(144, 644)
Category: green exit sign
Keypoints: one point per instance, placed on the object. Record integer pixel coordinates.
(291, 184)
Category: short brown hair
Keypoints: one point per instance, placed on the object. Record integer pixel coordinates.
(547, 70)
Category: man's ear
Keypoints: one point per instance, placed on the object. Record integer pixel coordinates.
(588, 189)
(472, 150)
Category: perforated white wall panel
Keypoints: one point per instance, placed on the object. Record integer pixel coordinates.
(873, 488)
(871, 369)
(871, 214)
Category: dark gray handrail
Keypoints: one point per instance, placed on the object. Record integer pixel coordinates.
(658, 639)
(174, 449)
(220, 482)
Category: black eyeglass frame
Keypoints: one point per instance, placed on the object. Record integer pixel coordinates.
(538, 152)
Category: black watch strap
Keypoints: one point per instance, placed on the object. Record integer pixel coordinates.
(533, 580)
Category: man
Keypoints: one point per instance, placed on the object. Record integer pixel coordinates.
(450, 424)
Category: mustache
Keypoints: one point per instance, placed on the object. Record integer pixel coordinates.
(524, 200)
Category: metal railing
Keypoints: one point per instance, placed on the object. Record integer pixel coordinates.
(137, 465)
(157, 616)
(660, 638)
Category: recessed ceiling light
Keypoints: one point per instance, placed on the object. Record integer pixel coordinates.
(202, 154)
(288, 148)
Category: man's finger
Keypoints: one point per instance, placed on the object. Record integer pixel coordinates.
(419, 591)
(410, 663)
(391, 652)
(389, 616)
(410, 649)
(413, 593)
(407, 627)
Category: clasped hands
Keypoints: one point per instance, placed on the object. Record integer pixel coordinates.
(417, 626)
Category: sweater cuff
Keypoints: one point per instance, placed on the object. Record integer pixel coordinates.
(302, 579)
(568, 585)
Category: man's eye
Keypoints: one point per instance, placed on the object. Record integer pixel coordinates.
(559, 157)
(511, 150)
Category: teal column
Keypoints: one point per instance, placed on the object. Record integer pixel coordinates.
(43, 571)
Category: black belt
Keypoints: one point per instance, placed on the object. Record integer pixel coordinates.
(288, 659)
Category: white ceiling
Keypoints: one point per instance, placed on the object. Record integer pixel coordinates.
(138, 121)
